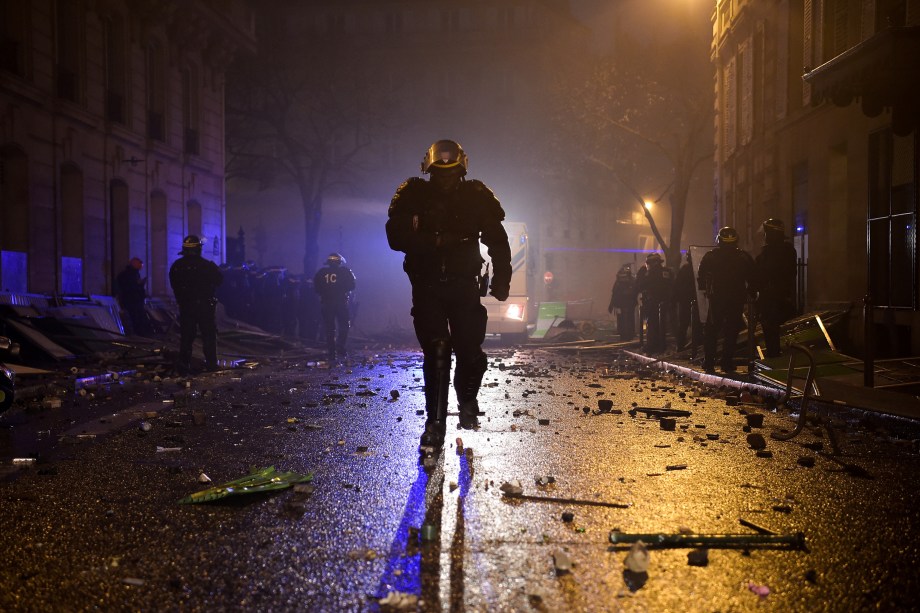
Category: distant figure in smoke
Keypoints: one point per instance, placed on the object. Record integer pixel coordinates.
(776, 270)
(684, 295)
(194, 281)
(654, 281)
(131, 293)
(623, 301)
(334, 283)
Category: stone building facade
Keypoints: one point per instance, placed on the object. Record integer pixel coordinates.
(816, 124)
(111, 137)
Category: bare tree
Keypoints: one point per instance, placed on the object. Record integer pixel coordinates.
(296, 116)
(645, 122)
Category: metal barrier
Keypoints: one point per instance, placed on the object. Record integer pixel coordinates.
(806, 395)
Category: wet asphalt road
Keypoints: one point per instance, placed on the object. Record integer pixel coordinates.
(94, 523)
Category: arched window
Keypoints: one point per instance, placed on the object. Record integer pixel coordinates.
(14, 220)
(115, 71)
(14, 36)
(119, 226)
(157, 271)
(72, 240)
(190, 110)
(69, 54)
(156, 92)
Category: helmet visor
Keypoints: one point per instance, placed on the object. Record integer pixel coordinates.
(444, 155)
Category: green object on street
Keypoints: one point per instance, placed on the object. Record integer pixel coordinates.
(259, 480)
(547, 315)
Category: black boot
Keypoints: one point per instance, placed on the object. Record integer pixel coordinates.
(435, 421)
(467, 380)
(433, 436)
(469, 414)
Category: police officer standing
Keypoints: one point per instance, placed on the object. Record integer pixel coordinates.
(194, 281)
(623, 300)
(132, 294)
(684, 295)
(655, 283)
(726, 274)
(439, 224)
(776, 268)
(334, 283)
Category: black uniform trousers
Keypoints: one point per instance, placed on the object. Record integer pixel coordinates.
(684, 321)
(655, 327)
(773, 312)
(140, 323)
(335, 317)
(725, 320)
(626, 322)
(451, 309)
(195, 316)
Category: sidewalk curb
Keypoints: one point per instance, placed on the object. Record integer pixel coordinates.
(706, 378)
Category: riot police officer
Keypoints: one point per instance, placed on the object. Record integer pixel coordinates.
(655, 283)
(439, 224)
(776, 268)
(194, 281)
(334, 283)
(623, 300)
(726, 274)
(684, 296)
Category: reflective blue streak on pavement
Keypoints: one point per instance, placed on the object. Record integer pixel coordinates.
(409, 581)
(470, 521)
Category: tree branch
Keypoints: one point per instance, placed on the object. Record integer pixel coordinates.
(639, 199)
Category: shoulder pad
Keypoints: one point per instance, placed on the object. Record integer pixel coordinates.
(485, 196)
(410, 185)
(415, 181)
(408, 192)
(475, 185)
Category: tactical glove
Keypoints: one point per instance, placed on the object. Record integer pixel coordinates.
(500, 292)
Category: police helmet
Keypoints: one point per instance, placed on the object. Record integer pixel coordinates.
(190, 244)
(653, 258)
(335, 259)
(445, 155)
(774, 225)
(727, 236)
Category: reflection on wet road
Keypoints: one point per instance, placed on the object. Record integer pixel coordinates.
(573, 445)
